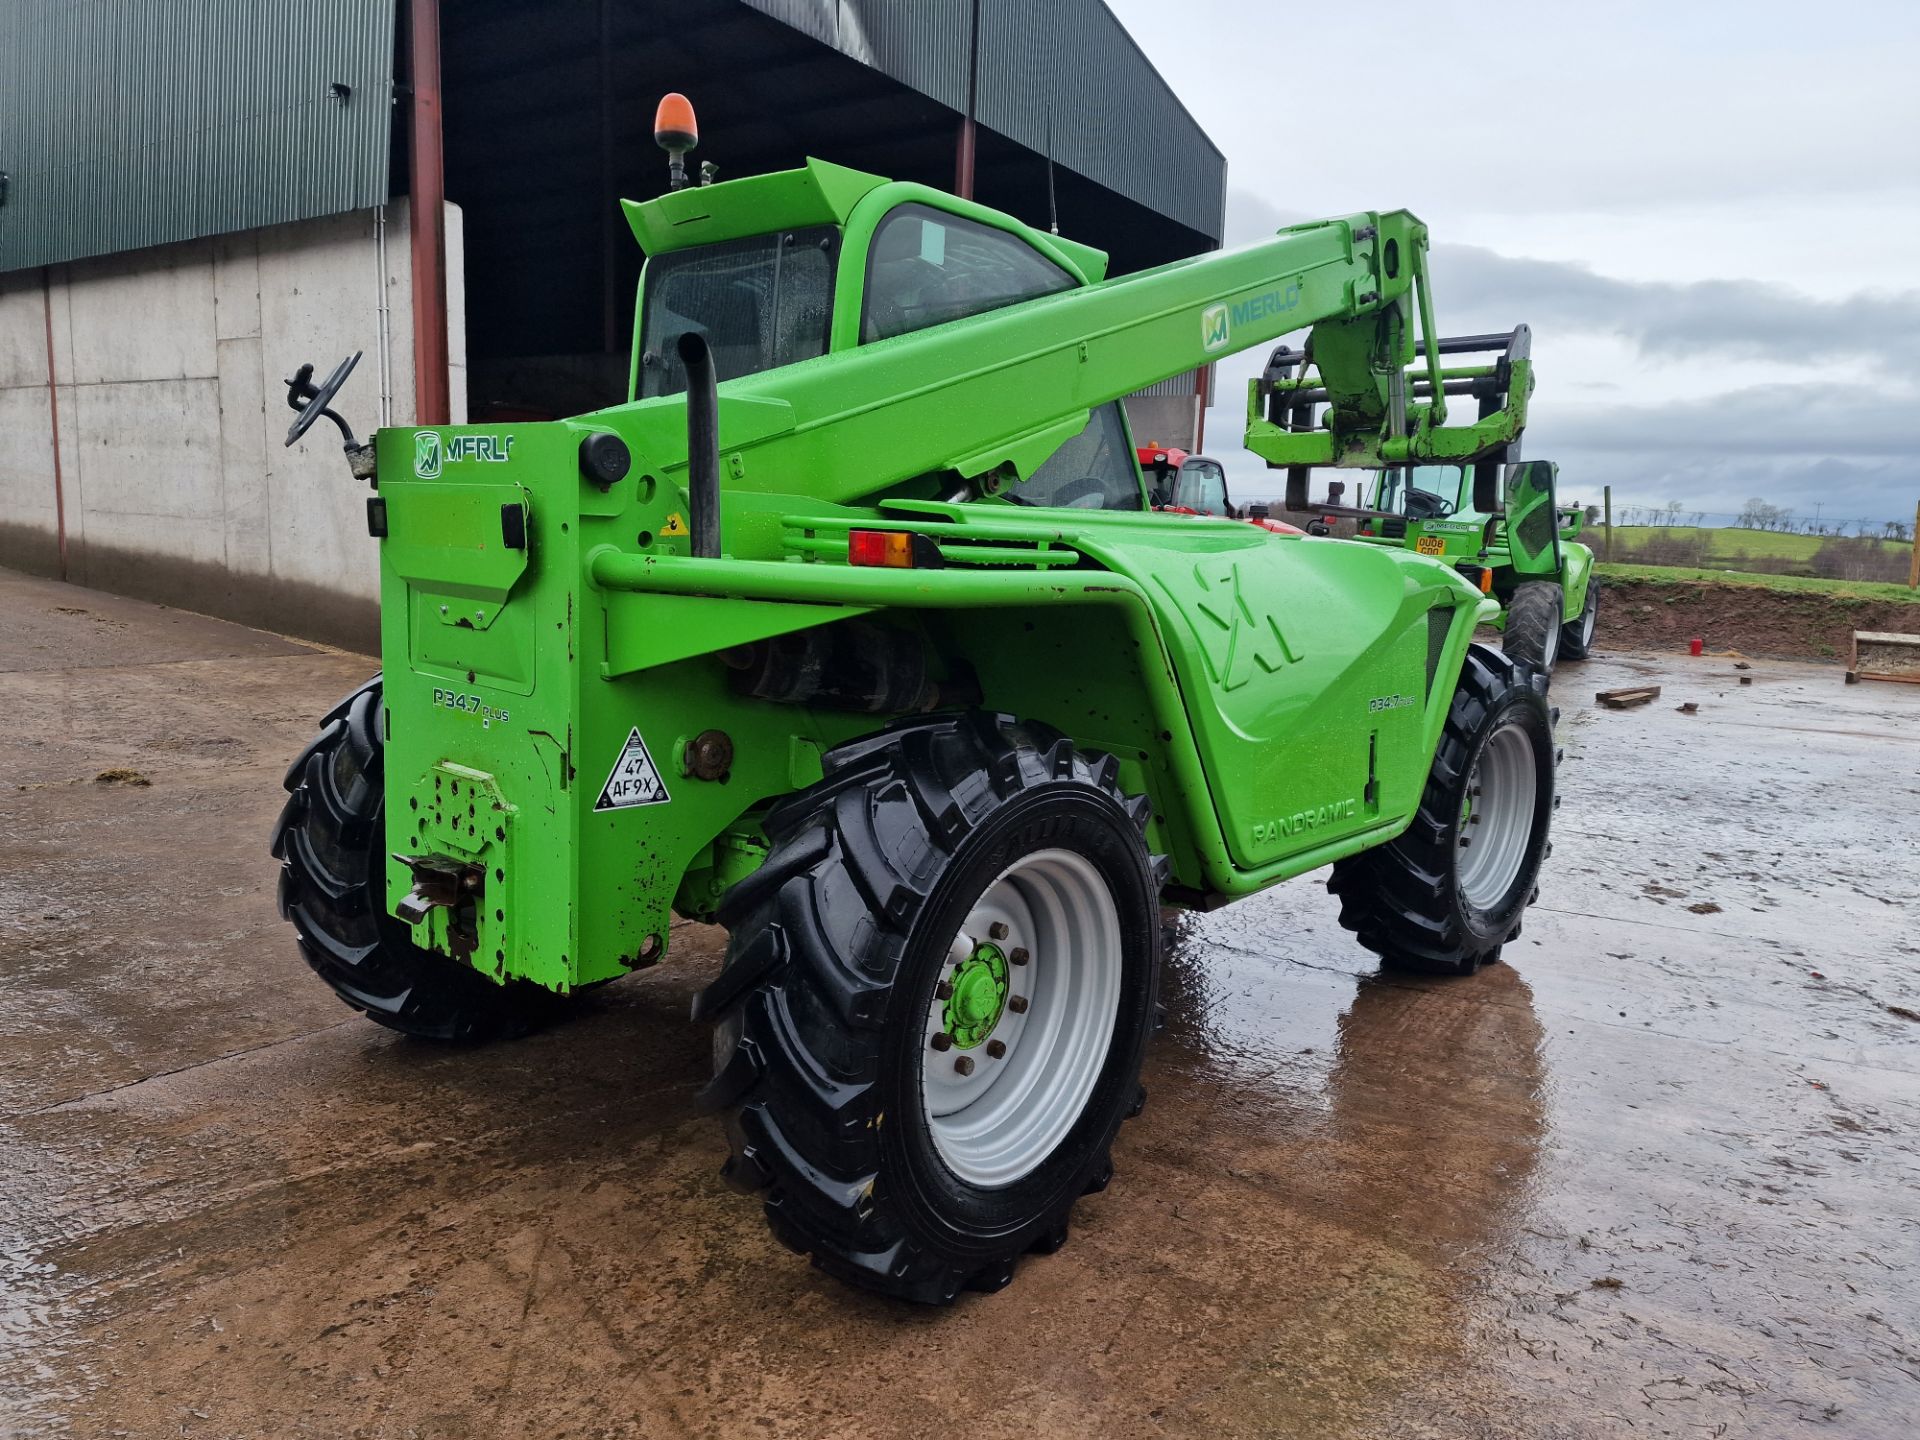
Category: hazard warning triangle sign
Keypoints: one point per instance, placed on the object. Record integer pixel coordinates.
(635, 779)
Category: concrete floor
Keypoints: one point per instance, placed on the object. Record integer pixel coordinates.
(1657, 1177)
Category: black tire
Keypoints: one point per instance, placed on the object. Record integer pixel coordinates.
(330, 842)
(1405, 899)
(837, 944)
(1576, 636)
(1533, 625)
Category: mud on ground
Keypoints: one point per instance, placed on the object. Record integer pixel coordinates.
(1657, 1177)
(1786, 624)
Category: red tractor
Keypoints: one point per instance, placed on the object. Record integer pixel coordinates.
(1183, 484)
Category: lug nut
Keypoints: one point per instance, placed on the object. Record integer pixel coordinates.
(943, 991)
(997, 931)
(964, 1065)
(941, 1040)
(995, 1049)
(1464, 842)
(1475, 819)
(1019, 955)
(1017, 1004)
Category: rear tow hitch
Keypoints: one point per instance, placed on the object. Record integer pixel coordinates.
(456, 885)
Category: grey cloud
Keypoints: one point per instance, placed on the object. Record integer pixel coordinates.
(1843, 452)
(1835, 490)
(1846, 452)
(1745, 319)
(1479, 289)
(1848, 447)
(1785, 421)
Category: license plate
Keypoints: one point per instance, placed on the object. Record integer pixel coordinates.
(1430, 545)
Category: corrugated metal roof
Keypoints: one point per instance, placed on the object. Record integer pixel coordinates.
(1061, 78)
(1066, 78)
(127, 123)
(1186, 383)
(923, 44)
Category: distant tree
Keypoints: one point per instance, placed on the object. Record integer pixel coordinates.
(1593, 514)
(1750, 516)
(1897, 530)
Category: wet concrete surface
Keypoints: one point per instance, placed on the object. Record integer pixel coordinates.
(1656, 1177)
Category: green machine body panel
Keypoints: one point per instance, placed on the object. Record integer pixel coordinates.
(564, 710)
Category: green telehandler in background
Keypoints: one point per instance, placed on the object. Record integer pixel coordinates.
(1528, 556)
(1496, 519)
(852, 630)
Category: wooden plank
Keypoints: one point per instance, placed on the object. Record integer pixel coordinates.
(1628, 697)
(1884, 637)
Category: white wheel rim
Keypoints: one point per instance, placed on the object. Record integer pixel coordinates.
(1496, 820)
(999, 1123)
(1550, 646)
(1587, 619)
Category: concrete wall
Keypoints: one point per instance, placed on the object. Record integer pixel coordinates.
(167, 367)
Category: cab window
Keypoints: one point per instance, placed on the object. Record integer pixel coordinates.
(926, 268)
(1095, 470)
(1421, 492)
(1202, 486)
(761, 302)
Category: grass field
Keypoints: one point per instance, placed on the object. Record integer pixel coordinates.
(1675, 575)
(1721, 544)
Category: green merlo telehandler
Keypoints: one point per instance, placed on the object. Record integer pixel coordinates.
(1493, 517)
(852, 631)
(1527, 555)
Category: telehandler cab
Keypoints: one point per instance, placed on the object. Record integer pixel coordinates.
(852, 631)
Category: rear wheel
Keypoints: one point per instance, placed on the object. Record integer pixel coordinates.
(330, 841)
(1576, 636)
(1443, 897)
(1533, 625)
(937, 996)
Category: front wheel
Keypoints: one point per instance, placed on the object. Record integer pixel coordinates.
(938, 992)
(1576, 636)
(1448, 892)
(1532, 630)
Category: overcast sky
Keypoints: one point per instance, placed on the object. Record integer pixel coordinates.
(1708, 211)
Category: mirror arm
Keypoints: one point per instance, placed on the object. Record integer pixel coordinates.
(347, 439)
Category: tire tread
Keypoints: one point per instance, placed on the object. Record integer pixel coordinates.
(804, 1127)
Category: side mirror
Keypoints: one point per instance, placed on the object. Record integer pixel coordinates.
(311, 402)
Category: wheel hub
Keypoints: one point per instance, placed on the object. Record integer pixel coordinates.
(1496, 818)
(1019, 1023)
(979, 996)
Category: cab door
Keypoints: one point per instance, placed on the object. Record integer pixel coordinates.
(1533, 531)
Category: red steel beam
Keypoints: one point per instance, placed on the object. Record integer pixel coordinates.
(966, 142)
(431, 401)
(963, 151)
